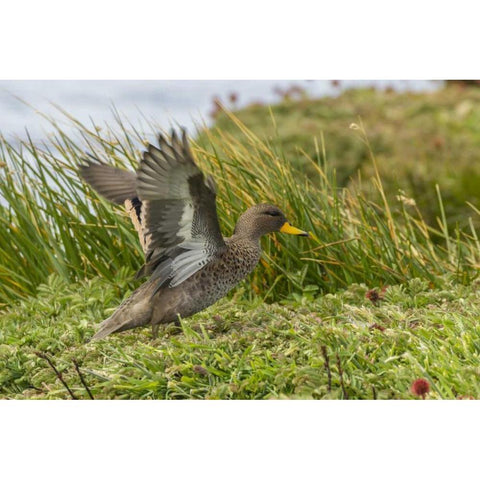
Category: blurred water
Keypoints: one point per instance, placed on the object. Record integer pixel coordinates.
(165, 102)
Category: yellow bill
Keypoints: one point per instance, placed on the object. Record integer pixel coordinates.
(287, 228)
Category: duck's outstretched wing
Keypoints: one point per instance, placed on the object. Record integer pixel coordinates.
(178, 216)
(172, 205)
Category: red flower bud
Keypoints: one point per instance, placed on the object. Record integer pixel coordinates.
(420, 387)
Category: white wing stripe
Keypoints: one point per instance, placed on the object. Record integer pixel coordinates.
(188, 262)
(190, 256)
(185, 224)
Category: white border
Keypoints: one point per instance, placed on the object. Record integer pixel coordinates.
(214, 39)
(224, 40)
(235, 439)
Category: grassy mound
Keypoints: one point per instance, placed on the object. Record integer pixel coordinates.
(419, 140)
(343, 345)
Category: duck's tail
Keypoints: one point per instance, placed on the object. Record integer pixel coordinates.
(135, 311)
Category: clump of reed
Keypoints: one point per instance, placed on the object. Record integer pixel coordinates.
(53, 223)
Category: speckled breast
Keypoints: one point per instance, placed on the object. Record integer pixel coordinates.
(217, 278)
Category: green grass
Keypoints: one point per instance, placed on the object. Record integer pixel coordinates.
(248, 349)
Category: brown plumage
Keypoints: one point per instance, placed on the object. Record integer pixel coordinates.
(189, 264)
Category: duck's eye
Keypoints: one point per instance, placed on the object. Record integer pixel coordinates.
(273, 213)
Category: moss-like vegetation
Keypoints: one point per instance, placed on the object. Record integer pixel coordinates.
(239, 349)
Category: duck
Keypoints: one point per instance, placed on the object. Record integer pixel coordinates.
(188, 265)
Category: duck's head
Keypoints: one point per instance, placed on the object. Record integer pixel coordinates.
(262, 219)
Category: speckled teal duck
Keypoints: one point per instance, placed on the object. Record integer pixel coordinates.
(189, 263)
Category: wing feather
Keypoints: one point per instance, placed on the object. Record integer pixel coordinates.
(113, 183)
(179, 216)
